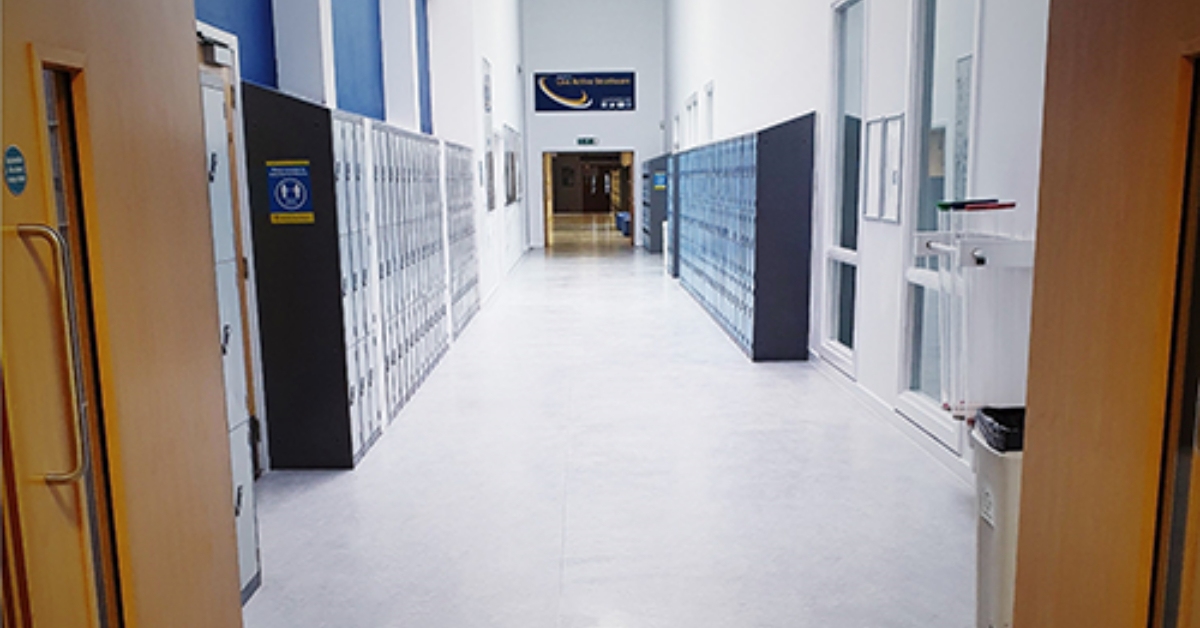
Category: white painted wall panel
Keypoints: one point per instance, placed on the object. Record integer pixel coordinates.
(768, 59)
(461, 34)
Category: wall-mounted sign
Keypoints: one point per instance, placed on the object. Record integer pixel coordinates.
(660, 180)
(593, 91)
(16, 174)
(291, 192)
(585, 141)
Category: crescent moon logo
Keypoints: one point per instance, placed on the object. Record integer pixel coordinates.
(583, 102)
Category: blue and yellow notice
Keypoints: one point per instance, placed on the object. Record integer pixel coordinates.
(291, 192)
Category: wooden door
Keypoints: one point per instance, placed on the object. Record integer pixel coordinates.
(596, 188)
(54, 465)
(1118, 92)
(112, 363)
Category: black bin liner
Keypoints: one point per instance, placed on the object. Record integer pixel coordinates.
(1002, 428)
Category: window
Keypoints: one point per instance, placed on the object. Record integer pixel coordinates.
(842, 251)
(708, 112)
(934, 340)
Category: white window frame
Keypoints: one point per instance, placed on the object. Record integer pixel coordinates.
(927, 413)
(709, 119)
(832, 351)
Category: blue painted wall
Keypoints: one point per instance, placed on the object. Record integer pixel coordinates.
(426, 93)
(254, 25)
(358, 55)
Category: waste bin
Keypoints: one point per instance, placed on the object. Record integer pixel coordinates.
(999, 439)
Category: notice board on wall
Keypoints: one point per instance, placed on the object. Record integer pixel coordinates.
(584, 91)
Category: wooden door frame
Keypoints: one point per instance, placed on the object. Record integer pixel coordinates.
(13, 602)
(1176, 557)
(89, 291)
(1106, 286)
(548, 158)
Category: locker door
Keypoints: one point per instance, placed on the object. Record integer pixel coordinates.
(353, 395)
(225, 255)
(347, 301)
(230, 333)
(245, 509)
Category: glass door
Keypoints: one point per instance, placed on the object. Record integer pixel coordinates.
(946, 70)
(841, 252)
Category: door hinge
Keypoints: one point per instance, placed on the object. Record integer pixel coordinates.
(255, 437)
(245, 269)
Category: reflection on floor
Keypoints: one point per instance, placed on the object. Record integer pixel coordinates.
(574, 233)
(595, 453)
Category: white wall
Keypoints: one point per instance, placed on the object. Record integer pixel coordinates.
(768, 60)
(583, 36)
(461, 34)
(398, 30)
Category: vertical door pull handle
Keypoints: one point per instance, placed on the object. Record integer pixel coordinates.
(71, 343)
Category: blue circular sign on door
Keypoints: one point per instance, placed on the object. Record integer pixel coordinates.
(16, 175)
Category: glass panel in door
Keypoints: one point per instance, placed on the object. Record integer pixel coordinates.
(933, 342)
(842, 252)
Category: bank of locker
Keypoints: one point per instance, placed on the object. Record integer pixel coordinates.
(412, 297)
(464, 261)
(315, 280)
(744, 208)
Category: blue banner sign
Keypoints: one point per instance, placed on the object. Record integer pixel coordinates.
(593, 91)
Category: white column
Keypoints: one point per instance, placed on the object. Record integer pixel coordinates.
(397, 20)
(304, 49)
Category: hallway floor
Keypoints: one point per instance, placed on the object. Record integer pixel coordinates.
(594, 452)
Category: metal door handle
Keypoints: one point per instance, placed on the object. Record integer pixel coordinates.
(55, 239)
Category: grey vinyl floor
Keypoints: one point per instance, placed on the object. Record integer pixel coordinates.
(594, 452)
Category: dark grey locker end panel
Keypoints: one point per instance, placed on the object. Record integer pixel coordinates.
(783, 248)
(654, 205)
(299, 288)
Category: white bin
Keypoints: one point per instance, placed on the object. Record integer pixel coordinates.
(998, 487)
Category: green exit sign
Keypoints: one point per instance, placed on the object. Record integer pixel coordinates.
(585, 141)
